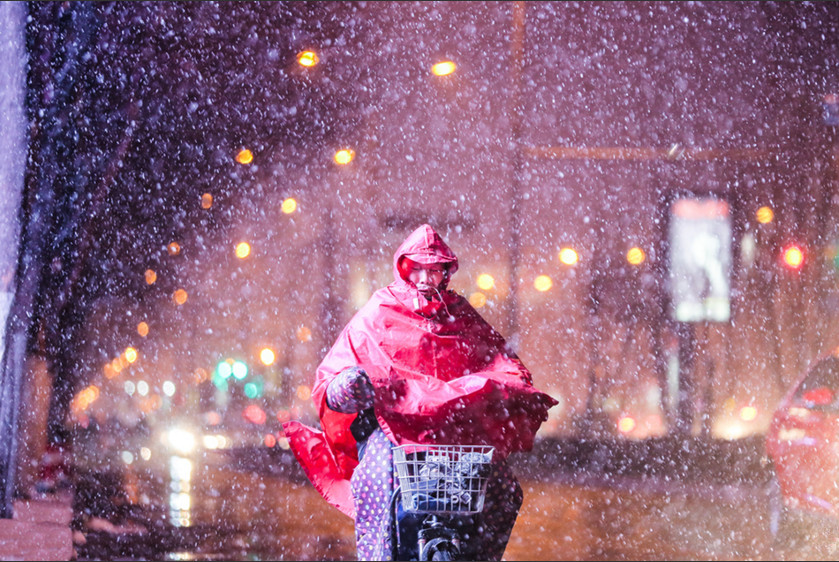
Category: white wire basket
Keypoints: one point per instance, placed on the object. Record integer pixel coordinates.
(444, 479)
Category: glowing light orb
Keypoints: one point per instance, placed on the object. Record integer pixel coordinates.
(543, 283)
(765, 215)
(344, 156)
(307, 59)
(485, 281)
(243, 250)
(289, 206)
(443, 68)
(636, 256)
(245, 156)
(568, 256)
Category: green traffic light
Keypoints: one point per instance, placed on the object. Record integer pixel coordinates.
(255, 388)
(224, 369)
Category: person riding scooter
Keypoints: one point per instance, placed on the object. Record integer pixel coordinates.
(417, 364)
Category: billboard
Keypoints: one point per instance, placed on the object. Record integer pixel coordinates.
(700, 259)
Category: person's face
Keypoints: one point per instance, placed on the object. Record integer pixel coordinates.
(427, 277)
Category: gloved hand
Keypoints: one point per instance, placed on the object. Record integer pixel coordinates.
(350, 391)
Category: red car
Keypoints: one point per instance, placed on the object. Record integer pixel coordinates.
(803, 446)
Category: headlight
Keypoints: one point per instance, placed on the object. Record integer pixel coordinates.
(181, 440)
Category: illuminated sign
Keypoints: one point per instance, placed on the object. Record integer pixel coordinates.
(700, 259)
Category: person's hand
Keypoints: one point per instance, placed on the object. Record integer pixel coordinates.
(362, 389)
(350, 391)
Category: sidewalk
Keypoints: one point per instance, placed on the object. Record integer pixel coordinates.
(39, 530)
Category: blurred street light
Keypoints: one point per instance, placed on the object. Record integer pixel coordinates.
(793, 257)
(443, 68)
(636, 256)
(304, 334)
(245, 156)
(485, 281)
(289, 206)
(267, 356)
(568, 256)
(764, 215)
(243, 250)
(748, 413)
(307, 58)
(130, 354)
(239, 369)
(179, 297)
(344, 156)
(543, 283)
(477, 299)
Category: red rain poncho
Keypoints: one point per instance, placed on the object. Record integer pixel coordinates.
(441, 374)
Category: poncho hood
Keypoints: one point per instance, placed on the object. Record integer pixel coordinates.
(424, 246)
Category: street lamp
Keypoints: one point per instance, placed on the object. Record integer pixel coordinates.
(243, 250)
(542, 283)
(569, 256)
(485, 281)
(289, 205)
(344, 156)
(307, 59)
(443, 68)
(764, 215)
(244, 157)
(635, 256)
(179, 296)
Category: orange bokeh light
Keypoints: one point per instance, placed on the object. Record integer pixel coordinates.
(245, 156)
(179, 296)
(304, 334)
(307, 58)
(636, 256)
(477, 299)
(304, 392)
(764, 215)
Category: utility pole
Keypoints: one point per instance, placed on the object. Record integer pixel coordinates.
(517, 52)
